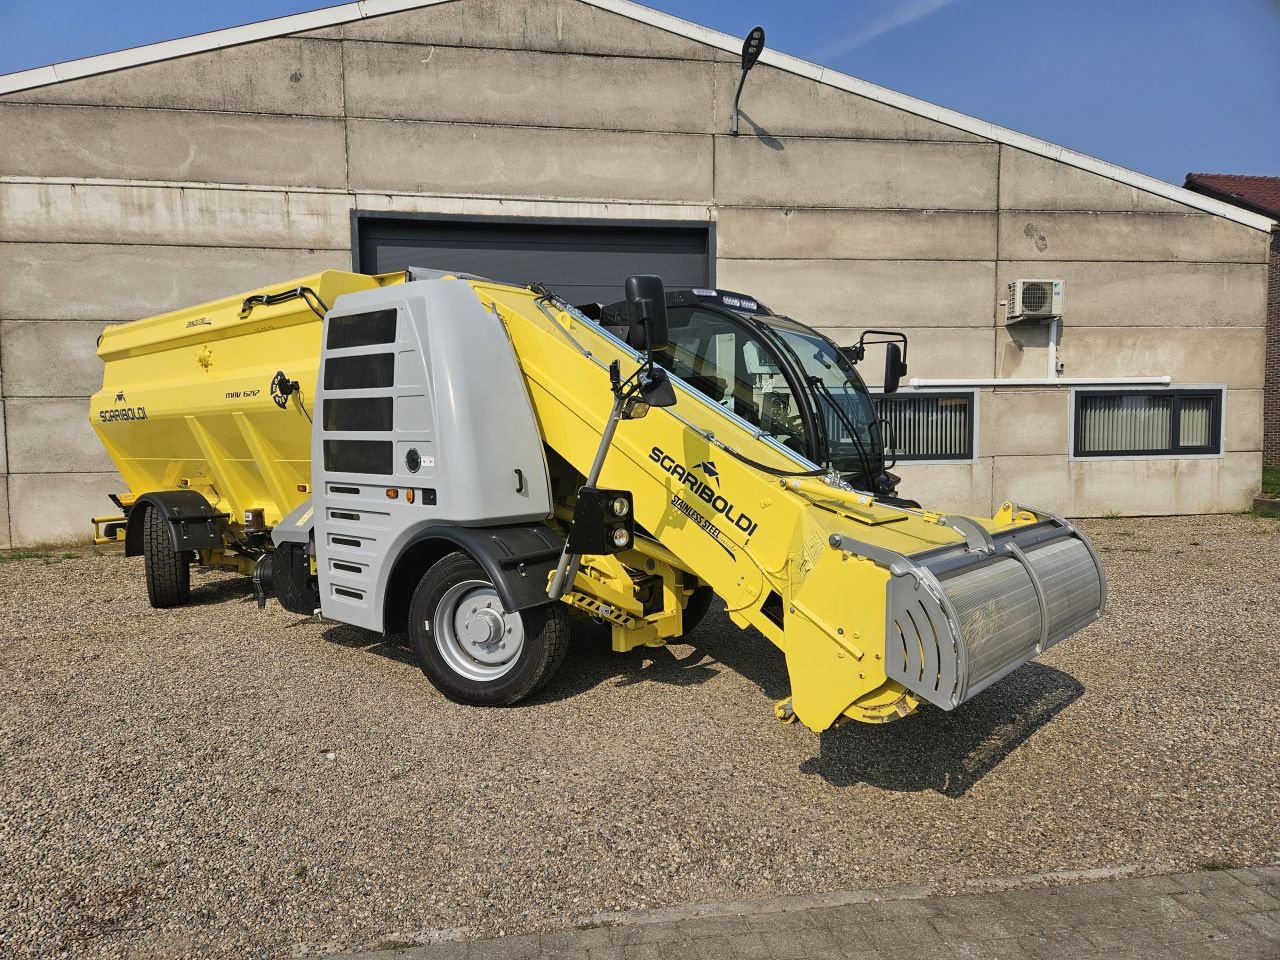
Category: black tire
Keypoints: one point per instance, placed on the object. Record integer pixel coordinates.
(451, 661)
(168, 570)
(696, 608)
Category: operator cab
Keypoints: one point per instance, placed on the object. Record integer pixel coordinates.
(781, 376)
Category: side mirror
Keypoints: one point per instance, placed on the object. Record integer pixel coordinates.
(647, 309)
(895, 368)
(895, 355)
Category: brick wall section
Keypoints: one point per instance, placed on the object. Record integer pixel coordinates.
(1271, 386)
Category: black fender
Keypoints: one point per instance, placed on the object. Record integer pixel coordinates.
(193, 523)
(518, 560)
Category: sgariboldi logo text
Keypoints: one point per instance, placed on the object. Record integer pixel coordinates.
(704, 491)
(123, 413)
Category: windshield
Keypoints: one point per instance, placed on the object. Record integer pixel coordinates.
(849, 419)
(726, 359)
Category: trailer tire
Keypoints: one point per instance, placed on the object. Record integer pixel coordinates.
(470, 648)
(168, 570)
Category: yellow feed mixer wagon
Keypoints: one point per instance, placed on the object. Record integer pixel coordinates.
(471, 464)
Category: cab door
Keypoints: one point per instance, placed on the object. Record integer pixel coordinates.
(719, 355)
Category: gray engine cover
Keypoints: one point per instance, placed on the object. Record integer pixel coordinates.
(458, 399)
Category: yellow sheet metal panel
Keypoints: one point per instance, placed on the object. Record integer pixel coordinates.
(187, 397)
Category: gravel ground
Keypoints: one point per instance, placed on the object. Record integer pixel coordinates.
(219, 781)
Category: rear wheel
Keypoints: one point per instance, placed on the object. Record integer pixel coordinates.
(168, 570)
(471, 648)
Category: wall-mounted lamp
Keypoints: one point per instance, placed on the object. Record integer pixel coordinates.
(752, 47)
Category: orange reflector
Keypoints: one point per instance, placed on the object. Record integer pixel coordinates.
(304, 488)
(408, 495)
(392, 493)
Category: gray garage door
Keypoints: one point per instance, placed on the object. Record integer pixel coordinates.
(581, 262)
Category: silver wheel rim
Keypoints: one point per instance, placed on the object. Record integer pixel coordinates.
(477, 638)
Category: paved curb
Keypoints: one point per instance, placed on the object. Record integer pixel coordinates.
(1135, 911)
(842, 898)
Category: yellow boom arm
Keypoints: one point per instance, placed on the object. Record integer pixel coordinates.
(819, 569)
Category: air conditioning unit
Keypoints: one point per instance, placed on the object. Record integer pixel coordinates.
(1034, 300)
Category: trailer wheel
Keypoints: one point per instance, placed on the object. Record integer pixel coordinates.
(168, 570)
(473, 650)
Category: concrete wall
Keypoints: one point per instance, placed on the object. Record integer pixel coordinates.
(1021, 455)
(1271, 397)
(156, 186)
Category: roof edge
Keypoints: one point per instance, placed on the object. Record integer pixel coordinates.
(350, 12)
(932, 111)
(204, 42)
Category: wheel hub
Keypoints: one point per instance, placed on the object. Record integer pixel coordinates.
(482, 631)
(474, 634)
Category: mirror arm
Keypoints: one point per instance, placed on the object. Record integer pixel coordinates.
(615, 378)
(891, 336)
(854, 353)
(888, 441)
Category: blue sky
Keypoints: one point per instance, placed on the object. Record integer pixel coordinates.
(1161, 86)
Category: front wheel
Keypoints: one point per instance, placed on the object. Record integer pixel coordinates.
(471, 648)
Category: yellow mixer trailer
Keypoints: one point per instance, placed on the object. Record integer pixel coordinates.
(471, 463)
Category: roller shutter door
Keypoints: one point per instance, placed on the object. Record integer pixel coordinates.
(581, 262)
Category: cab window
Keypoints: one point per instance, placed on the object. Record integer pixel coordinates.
(722, 359)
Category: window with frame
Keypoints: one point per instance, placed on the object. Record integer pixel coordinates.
(927, 426)
(1147, 423)
(723, 360)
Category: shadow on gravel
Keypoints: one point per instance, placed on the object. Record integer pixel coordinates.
(591, 662)
(222, 591)
(354, 638)
(929, 750)
(946, 752)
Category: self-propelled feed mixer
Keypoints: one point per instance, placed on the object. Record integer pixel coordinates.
(472, 463)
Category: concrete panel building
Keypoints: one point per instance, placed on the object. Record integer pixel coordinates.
(576, 141)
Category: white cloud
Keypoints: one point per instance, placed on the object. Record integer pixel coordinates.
(881, 17)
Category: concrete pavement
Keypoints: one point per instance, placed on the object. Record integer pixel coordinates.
(1197, 916)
